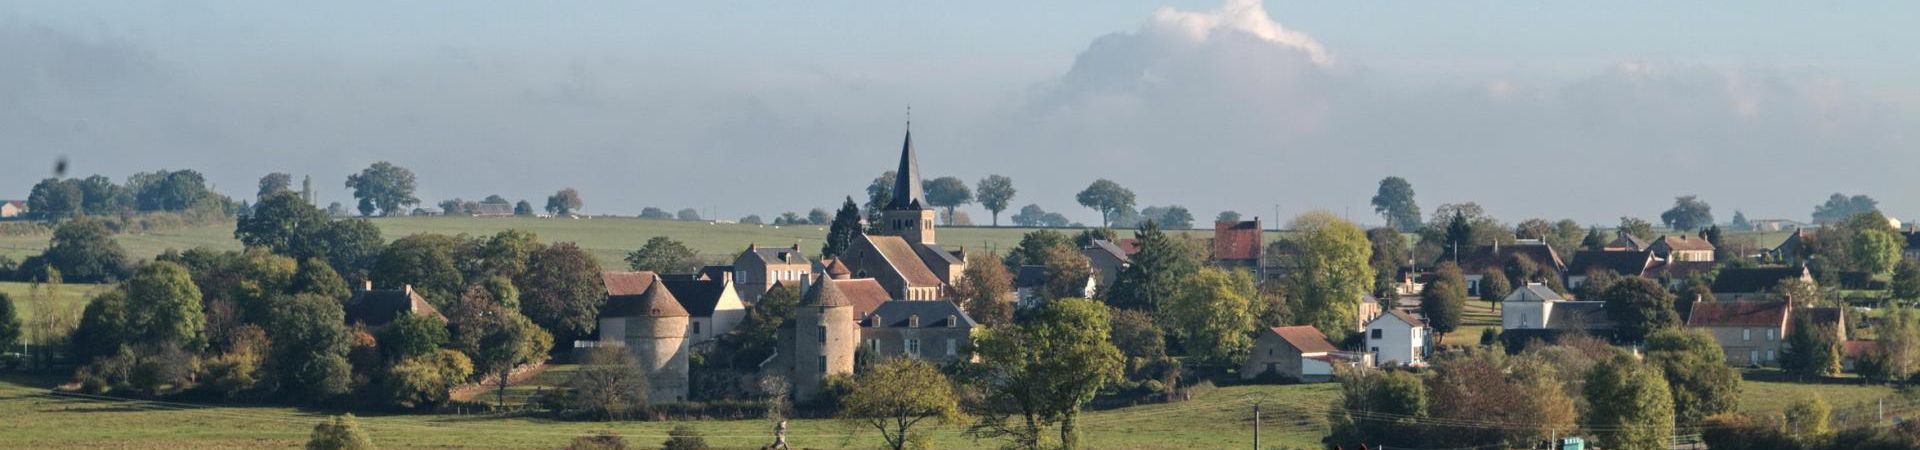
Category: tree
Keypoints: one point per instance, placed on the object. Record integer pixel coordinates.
(1740, 222)
(1172, 216)
(1629, 405)
(1107, 197)
(351, 246)
(1896, 356)
(1213, 315)
(1378, 408)
(56, 199)
(1688, 214)
(9, 323)
(424, 380)
(879, 194)
(309, 347)
(1696, 372)
(1067, 271)
(1636, 227)
(983, 291)
(994, 192)
(384, 186)
(498, 340)
(846, 223)
(1390, 252)
(1394, 201)
(282, 223)
(1494, 286)
(1906, 280)
(564, 203)
(83, 250)
(1594, 240)
(1158, 271)
(164, 190)
(274, 184)
(895, 396)
(654, 213)
(1038, 373)
(947, 192)
(1227, 216)
(522, 208)
(1033, 247)
(752, 219)
(1523, 395)
(1327, 272)
(1030, 216)
(424, 261)
(340, 432)
(1639, 306)
(664, 255)
(453, 207)
(788, 218)
(687, 215)
(561, 289)
(684, 437)
(1807, 419)
(1444, 299)
(1137, 336)
(608, 385)
(758, 334)
(165, 306)
(1812, 350)
(1839, 207)
(1876, 251)
(412, 335)
(818, 216)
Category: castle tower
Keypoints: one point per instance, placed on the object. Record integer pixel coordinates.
(824, 337)
(657, 337)
(907, 215)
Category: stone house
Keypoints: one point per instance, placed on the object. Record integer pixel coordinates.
(1237, 245)
(713, 305)
(1300, 352)
(758, 269)
(652, 326)
(12, 208)
(1682, 248)
(1030, 283)
(375, 308)
(936, 331)
(1751, 333)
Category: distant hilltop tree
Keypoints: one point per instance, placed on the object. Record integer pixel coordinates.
(565, 202)
(384, 187)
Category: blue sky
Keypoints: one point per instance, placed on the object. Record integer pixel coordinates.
(1596, 109)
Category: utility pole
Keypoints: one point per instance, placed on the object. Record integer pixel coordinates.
(1256, 425)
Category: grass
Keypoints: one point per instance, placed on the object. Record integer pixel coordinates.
(70, 296)
(608, 238)
(1219, 418)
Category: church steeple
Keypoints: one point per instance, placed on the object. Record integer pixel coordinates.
(907, 193)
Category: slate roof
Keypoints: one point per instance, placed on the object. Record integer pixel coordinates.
(1534, 293)
(1738, 314)
(932, 313)
(1628, 241)
(1108, 247)
(1585, 315)
(1403, 316)
(626, 283)
(1753, 280)
(1632, 263)
(1683, 242)
(1237, 240)
(699, 297)
(1913, 240)
(1305, 338)
(901, 255)
(656, 301)
(379, 307)
(1030, 276)
(1496, 257)
(934, 252)
(778, 255)
(907, 193)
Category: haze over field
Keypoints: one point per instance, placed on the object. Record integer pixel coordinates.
(1540, 110)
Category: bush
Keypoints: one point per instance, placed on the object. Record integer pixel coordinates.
(424, 381)
(683, 437)
(339, 433)
(604, 440)
(609, 385)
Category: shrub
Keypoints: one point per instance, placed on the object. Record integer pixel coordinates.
(609, 385)
(339, 433)
(425, 380)
(604, 440)
(684, 437)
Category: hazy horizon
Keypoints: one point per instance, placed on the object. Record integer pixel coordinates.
(1557, 110)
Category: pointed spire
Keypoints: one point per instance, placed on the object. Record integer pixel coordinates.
(907, 193)
(659, 302)
(825, 293)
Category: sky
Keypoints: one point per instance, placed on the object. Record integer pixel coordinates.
(1550, 109)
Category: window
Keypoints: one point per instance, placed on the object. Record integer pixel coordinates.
(953, 321)
(696, 327)
(1375, 350)
(1746, 334)
(1376, 333)
(823, 333)
(1772, 334)
(823, 364)
(913, 321)
(913, 347)
(1753, 357)
(1269, 351)
(1769, 355)
(873, 344)
(953, 347)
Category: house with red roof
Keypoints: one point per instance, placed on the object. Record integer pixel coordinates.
(1299, 352)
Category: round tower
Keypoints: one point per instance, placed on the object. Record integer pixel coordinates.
(657, 337)
(824, 336)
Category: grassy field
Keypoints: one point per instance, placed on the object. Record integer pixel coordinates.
(70, 296)
(1220, 418)
(607, 238)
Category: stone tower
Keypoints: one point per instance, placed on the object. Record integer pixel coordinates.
(657, 337)
(908, 215)
(824, 337)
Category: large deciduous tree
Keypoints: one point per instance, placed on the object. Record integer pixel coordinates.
(1394, 201)
(1107, 197)
(1639, 306)
(1839, 207)
(1039, 372)
(1327, 273)
(995, 192)
(947, 192)
(1213, 315)
(984, 292)
(1390, 252)
(1688, 213)
(83, 250)
(1696, 372)
(384, 186)
(561, 290)
(662, 254)
(283, 223)
(310, 341)
(1629, 405)
(1172, 217)
(274, 184)
(498, 340)
(1444, 299)
(896, 396)
(1068, 272)
(424, 261)
(565, 202)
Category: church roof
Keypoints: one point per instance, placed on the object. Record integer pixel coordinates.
(905, 258)
(907, 193)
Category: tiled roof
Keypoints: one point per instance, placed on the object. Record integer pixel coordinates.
(1108, 247)
(1738, 314)
(932, 314)
(1630, 263)
(1856, 349)
(838, 269)
(1683, 242)
(1128, 245)
(699, 297)
(902, 256)
(1629, 242)
(825, 293)
(865, 294)
(657, 301)
(380, 306)
(626, 283)
(1403, 316)
(1305, 338)
(1236, 240)
(1753, 280)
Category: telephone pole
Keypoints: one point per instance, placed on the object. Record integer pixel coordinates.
(1256, 425)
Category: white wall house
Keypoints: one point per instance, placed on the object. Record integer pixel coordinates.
(1397, 338)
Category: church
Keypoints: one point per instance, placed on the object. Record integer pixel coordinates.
(903, 256)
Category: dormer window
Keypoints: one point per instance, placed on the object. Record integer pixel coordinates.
(876, 321)
(952, 321)
(913, 321)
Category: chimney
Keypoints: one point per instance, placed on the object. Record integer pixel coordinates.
(407, 288)
(366, 285)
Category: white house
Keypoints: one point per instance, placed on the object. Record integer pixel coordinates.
(1528, 307)
(1031, 281)
(714, 305)
(1397, 338)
